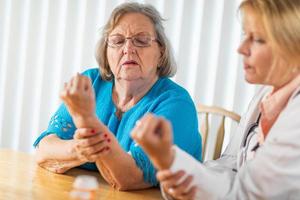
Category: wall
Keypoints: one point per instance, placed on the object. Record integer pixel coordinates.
(45, 42)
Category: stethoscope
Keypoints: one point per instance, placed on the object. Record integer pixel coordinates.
(247, 138)
(250, 130)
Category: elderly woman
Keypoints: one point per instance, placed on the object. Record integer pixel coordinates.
(262, 160)
(92, 129)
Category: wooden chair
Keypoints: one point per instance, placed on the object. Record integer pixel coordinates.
(204, 127)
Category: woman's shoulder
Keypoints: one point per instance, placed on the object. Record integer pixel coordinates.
(168, 95)
(92, 73)
(168, 87)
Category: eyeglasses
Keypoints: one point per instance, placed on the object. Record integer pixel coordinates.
(140, 40)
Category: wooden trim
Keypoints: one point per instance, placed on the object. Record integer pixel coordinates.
(204, 128)
(218, 111)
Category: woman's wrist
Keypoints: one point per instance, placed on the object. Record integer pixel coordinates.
(165, 160)
(85, 121)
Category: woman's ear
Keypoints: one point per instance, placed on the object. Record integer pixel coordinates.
(160, 57)
(162, 51)
(160, 62)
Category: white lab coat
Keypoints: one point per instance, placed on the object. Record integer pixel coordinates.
(274, 172)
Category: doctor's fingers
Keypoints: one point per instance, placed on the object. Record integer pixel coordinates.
(149, 122)
(170, 180)
(157, 126)
(164, 129)
(144, 128)
(181, 188)
(190, 195)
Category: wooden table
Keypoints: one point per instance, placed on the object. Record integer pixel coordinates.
(21, 178)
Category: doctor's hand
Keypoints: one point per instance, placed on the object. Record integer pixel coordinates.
(154, 134)
(177, 185)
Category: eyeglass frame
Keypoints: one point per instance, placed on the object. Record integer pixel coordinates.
(152, 38)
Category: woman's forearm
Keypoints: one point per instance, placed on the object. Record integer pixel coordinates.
(112, 166)
(56, 155)
(121, 172)
(58, 166)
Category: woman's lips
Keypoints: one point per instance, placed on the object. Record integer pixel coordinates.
(246, 66)
(249, 69)
(130, 62)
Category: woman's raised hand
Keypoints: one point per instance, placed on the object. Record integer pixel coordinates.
(79, 97)
(154, 134)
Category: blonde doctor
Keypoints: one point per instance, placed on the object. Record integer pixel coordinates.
(262, 160)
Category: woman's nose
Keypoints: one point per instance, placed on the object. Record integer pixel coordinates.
(128, 46)
(244, 48)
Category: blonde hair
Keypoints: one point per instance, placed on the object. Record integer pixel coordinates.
(281, 20)
(167, 66)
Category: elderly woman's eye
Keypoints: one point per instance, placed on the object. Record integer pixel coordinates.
(119, 41)
(142, 40)
(116, 40)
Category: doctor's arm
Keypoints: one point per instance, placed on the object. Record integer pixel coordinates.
(272, 174)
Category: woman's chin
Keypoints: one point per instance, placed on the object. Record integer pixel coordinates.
(251, 80)
(130, 78)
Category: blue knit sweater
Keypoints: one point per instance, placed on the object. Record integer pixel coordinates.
(165, 98)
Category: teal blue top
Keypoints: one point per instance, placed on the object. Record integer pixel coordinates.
(165, 98)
